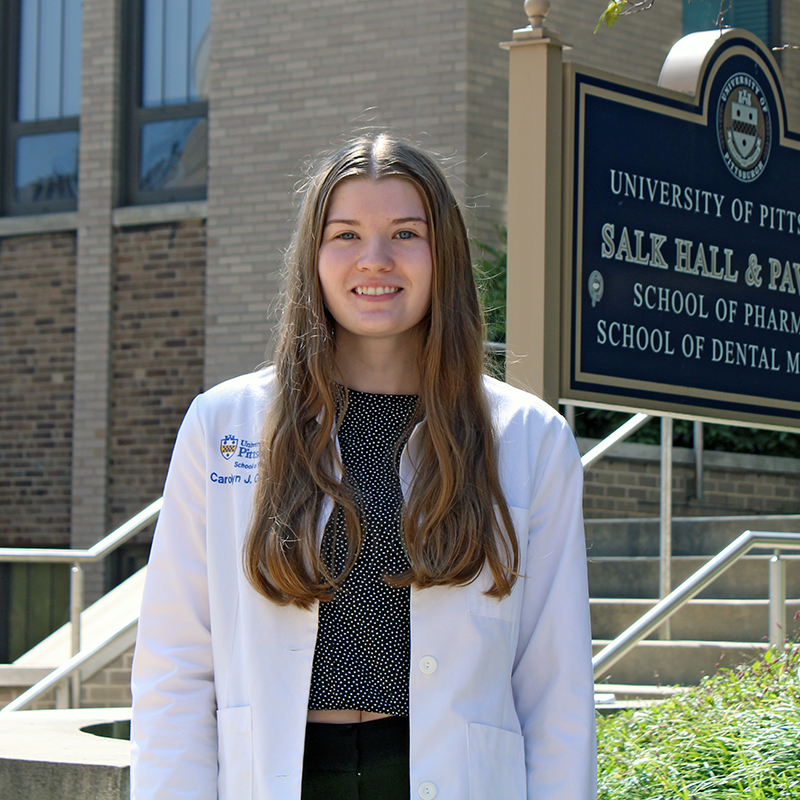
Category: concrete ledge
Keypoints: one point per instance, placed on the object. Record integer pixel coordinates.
(638, 576)
(14, 675)
(39, 223)
(670, 663)
(44, 755)
(705, 620)
(157, 214)
(691, 536)
(712, 459)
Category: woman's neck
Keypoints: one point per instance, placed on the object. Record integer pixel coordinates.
(378, 367)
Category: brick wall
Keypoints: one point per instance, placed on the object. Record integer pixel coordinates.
(157, 355)
(635, 46)
(98, 158)
(627, 484)
(111, 687)
(284, 85)
(489, 22)
(37, 326)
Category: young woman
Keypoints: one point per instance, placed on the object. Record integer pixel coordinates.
(368, 578)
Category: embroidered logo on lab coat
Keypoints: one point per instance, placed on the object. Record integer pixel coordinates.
(227, 446)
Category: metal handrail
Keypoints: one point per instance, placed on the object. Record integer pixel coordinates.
(678, 597)
(623, 432)
(97, 552)
(69, 668)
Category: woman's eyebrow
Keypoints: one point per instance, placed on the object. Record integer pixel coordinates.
(403, 220)
(398, 221)
(341, 222)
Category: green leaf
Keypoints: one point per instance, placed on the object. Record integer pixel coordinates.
(611, 14)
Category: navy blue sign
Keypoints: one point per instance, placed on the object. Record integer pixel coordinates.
(685, 261)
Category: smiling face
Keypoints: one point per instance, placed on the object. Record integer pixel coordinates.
(375, 266)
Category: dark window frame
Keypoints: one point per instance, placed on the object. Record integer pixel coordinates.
(135, 116)
(774, 26)
(11, 129)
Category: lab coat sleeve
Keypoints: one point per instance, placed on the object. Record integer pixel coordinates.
(173, 732)
(552, 679)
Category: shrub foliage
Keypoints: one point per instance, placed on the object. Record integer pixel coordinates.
(734, 737)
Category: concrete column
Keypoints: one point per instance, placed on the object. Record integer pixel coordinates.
(534, 206)
(97, 188)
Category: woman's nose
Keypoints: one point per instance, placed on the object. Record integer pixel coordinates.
(376, 254)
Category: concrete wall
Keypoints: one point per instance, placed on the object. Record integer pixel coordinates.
(627, 484)
(51, 755)
(790, 58)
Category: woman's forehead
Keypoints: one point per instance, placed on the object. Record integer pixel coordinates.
(392, 196)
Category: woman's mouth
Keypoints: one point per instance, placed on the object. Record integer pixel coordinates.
(376, 291)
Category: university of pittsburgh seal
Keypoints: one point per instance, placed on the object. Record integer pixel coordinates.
(227, 446)
(744, 127)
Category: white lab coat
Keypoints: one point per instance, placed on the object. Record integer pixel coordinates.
(500, 693)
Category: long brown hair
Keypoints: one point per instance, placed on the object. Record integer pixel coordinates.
(456, 519)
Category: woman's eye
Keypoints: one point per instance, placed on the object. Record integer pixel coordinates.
(406, 235)
(346, 235)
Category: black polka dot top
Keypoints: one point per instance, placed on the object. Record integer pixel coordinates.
(363, 646)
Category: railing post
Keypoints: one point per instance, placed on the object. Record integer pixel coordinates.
(665, 571)
(569, 415)
(777, 600)
(698, 459)
(62, 694)
(75, 609)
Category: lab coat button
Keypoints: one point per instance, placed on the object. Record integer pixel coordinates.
(427, 666)
(427, 790)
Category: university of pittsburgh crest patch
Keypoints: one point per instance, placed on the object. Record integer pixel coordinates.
(228, 445)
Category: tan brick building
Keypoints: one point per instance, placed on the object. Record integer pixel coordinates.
(147, 197)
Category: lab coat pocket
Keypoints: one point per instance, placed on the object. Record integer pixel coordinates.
(235, 742)
(496, 764)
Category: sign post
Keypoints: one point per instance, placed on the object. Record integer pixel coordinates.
(534, 206)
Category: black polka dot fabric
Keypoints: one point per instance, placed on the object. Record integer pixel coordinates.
(363, 647)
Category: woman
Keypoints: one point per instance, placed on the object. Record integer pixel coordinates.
(391, 601)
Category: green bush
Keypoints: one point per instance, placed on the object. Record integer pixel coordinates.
(734, 737)
(595, 423)
(490, 274)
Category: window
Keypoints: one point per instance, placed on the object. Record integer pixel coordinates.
(167, 133)
(41, 105)
(757, 16)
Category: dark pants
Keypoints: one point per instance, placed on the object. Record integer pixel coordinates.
(361, 761)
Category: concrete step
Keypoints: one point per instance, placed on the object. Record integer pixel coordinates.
(625, 691)
(691, 536)
(610, 698)
(682, 663)
(637, 576)
(744, 620)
